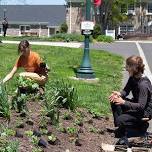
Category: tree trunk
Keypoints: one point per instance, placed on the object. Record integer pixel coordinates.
(105, 11)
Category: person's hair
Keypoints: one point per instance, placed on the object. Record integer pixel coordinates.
(23, 44)
(136, 64)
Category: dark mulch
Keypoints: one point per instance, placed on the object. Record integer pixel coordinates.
(91, 131)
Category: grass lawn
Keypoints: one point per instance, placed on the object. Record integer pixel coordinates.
(107, 67)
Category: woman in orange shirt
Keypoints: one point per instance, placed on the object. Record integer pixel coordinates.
(32, 64)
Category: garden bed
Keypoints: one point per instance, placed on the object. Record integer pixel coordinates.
(91, 97)
(71, 134)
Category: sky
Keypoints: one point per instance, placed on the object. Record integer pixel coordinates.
(33, 2)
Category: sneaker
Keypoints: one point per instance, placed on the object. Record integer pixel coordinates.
(111, 129)
(123, 141)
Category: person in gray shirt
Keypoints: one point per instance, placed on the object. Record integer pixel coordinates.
(130, 113)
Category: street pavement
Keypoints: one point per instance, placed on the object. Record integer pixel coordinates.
(124, 49)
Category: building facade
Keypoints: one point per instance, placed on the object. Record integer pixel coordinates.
(33, 20)
(139, 19)
(74, 15)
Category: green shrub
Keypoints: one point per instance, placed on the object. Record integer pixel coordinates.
(28, 84)
(64, 28)
(19, 103)
(65, 93)
(59, 37)
(67, 37)
(104, 38)
(9, 146)
(96, 31)
(25, 88)
(51, 106)
(71, 130)
(59, 94)
(4, 104)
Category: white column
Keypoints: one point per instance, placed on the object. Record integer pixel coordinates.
(39, 29)
(48, 31)
(119, 30)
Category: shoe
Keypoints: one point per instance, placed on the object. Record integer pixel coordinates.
(120, 132)
(123, 141)
(111, 129)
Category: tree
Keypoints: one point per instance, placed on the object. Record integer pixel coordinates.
(63, 28)
(96, 31)
(110, 14)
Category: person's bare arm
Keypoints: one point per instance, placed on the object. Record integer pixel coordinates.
(10, 75)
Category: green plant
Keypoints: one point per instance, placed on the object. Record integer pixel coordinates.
(34, 140)
(29, 133)
(67, 116)
(52, 138)
(37, 149)
(43, 122)
(61, 128)
(79, 114)
(69, 37)
(95, 113)
(79, 122)
(93, 129)
(19, 124)
(4, 105)
(72, 130)
(96, 31)
(26, 85)
(43, 131)
(59, 94)
(6, 132)
(51, 107)
(10, 146)
(104, 38)
(19, 103)
(64, 93)
(64, 28)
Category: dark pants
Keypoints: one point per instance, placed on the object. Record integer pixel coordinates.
(127, 120)
(4, 31)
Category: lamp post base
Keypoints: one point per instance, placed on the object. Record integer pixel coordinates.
(85, 73)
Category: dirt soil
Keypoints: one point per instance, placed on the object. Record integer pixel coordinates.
(91, 132)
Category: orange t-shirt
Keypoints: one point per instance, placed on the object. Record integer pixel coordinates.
(30, 63)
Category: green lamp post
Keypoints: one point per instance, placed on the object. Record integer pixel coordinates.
(85, 71)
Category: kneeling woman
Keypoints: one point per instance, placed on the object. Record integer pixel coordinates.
(129, 113)
(32, 64)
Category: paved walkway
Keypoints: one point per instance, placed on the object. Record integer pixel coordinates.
(64, 44)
